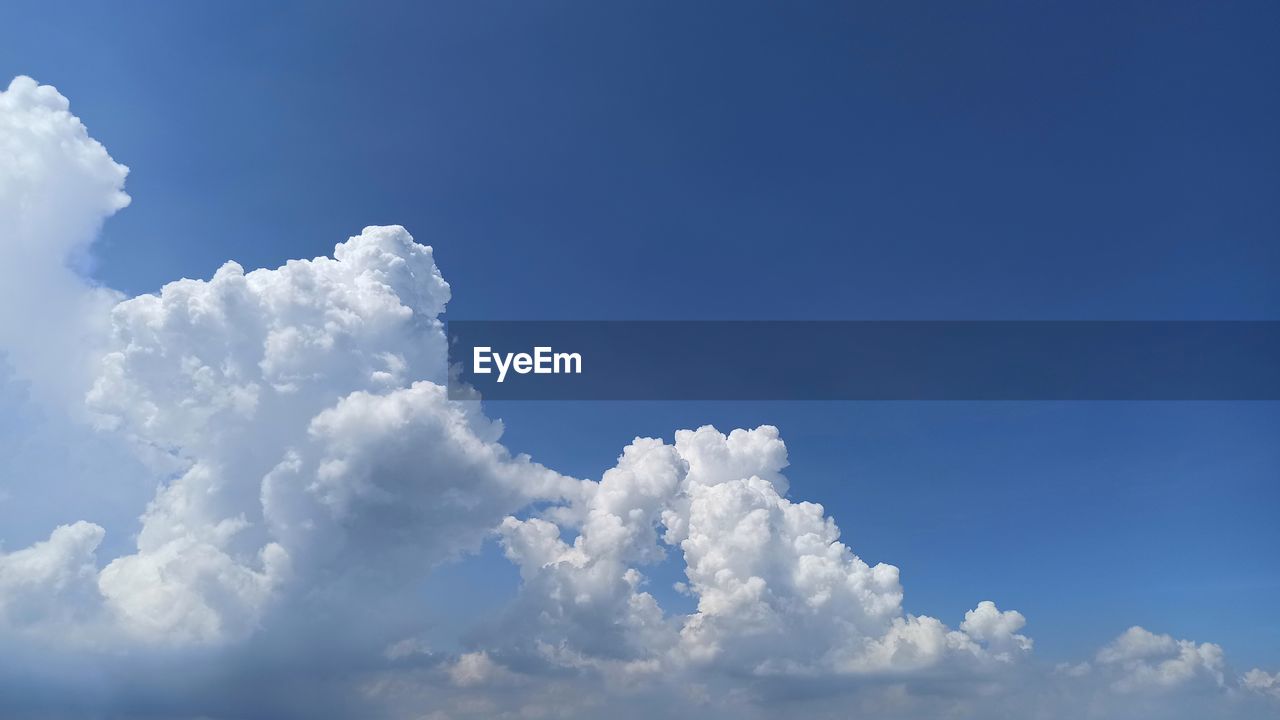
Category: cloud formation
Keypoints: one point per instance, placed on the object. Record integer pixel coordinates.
(57, 186)
(777, 593)
(311, 472)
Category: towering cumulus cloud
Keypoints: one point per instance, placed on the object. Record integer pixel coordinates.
(303, 412)
(57, 185)
(311, 473)
(777, 592)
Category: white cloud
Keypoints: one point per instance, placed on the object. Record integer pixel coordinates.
(304, 410)
(1143, 660)
(474, 668)
(294, 416)
(777, 592)
(311, 472)
(57, 185)
(986, 623)
(51, 583)
(1145, 674)
(1262, 682)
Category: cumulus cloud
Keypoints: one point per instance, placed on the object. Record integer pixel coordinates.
(777, 592)
(1262, 682)
(311, 471)
(294, 417)
(1141, 673)
(47, 585)
(57, 186)
(1141, 659)
(304, 410)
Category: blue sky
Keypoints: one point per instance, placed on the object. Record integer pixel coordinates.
(749, 161)
(745, 161)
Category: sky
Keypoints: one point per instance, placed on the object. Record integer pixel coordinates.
(635, 161)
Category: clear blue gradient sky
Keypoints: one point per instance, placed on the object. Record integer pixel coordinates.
(759, 161)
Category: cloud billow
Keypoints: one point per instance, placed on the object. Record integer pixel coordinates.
(311, 472)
